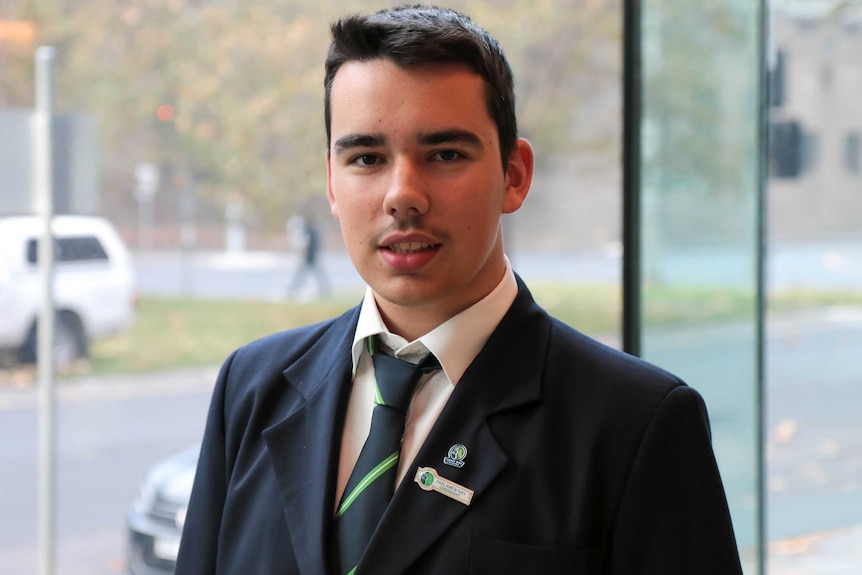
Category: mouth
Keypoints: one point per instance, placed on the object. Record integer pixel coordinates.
(409, 247)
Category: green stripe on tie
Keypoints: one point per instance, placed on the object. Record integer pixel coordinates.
(379, 470)
(352, 571)
(378, 399)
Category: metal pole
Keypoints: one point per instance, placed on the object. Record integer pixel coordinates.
(765, 32)
(632, 188)
(44, 207)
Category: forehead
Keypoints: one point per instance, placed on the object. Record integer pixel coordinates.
(378, 92)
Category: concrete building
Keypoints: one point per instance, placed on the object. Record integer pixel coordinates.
(815, 190)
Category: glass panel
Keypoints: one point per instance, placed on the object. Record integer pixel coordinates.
(196, 129)
(699, 225)
(815, 299)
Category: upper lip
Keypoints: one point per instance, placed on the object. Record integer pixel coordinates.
(412, 238)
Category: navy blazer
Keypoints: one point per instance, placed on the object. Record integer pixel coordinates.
(583, 460)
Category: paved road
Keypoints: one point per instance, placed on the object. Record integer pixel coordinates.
(814, 389)
(110, 430)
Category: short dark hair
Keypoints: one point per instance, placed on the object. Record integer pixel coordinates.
(418, 35)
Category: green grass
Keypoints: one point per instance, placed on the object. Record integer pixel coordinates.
(177, 332)
(793, 300)
(597, 309)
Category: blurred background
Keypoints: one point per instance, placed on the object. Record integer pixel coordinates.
(188, 138)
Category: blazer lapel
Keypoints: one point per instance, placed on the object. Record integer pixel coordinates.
(416, 518)
(497, 380)
(304, 446)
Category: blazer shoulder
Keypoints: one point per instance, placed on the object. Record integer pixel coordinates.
(260, 364)
(252, 391)
(575, 363)
(607, 393)
(597, 364)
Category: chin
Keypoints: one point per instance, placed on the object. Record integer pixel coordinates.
(406, 292)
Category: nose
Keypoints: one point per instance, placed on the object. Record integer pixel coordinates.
(405, 195)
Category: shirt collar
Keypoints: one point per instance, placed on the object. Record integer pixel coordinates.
(456, 342)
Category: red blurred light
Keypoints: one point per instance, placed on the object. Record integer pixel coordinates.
(165, 113)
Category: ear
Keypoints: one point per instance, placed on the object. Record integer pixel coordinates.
(519, 176)
(330, 195)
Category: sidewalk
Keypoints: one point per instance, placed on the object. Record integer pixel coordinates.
(19, 387)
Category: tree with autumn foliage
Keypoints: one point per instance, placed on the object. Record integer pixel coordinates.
(227, 95)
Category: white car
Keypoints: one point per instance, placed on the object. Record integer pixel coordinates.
(94, 285)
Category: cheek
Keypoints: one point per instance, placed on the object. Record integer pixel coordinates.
(355, 218)
(343, 205)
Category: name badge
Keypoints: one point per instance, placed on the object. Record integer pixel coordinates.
(428, 480)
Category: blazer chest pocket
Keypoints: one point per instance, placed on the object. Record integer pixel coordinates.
(494, 557)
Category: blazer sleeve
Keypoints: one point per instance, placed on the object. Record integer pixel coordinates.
(199, 543)
(673, 517)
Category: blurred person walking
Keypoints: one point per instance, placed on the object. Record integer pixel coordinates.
(309, 279)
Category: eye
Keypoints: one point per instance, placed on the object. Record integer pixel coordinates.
(447, 156)
(366, 160)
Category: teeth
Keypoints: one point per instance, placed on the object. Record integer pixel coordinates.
(408, 247)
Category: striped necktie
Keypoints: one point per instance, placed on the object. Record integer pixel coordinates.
(372, 482)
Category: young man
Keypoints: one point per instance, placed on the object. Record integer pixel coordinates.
(534, 449)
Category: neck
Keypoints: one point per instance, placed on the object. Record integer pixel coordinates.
(413, 321)
(410, 324)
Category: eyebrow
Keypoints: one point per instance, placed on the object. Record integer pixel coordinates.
(352, 141)
(454, 136)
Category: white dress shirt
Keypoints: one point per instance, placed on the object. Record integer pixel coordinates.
(455, 343)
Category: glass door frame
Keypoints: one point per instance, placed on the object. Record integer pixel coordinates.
(632, 293)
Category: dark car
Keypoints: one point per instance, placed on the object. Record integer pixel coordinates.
(156, 517)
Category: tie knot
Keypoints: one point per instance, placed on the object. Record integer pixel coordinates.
(397, 379)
